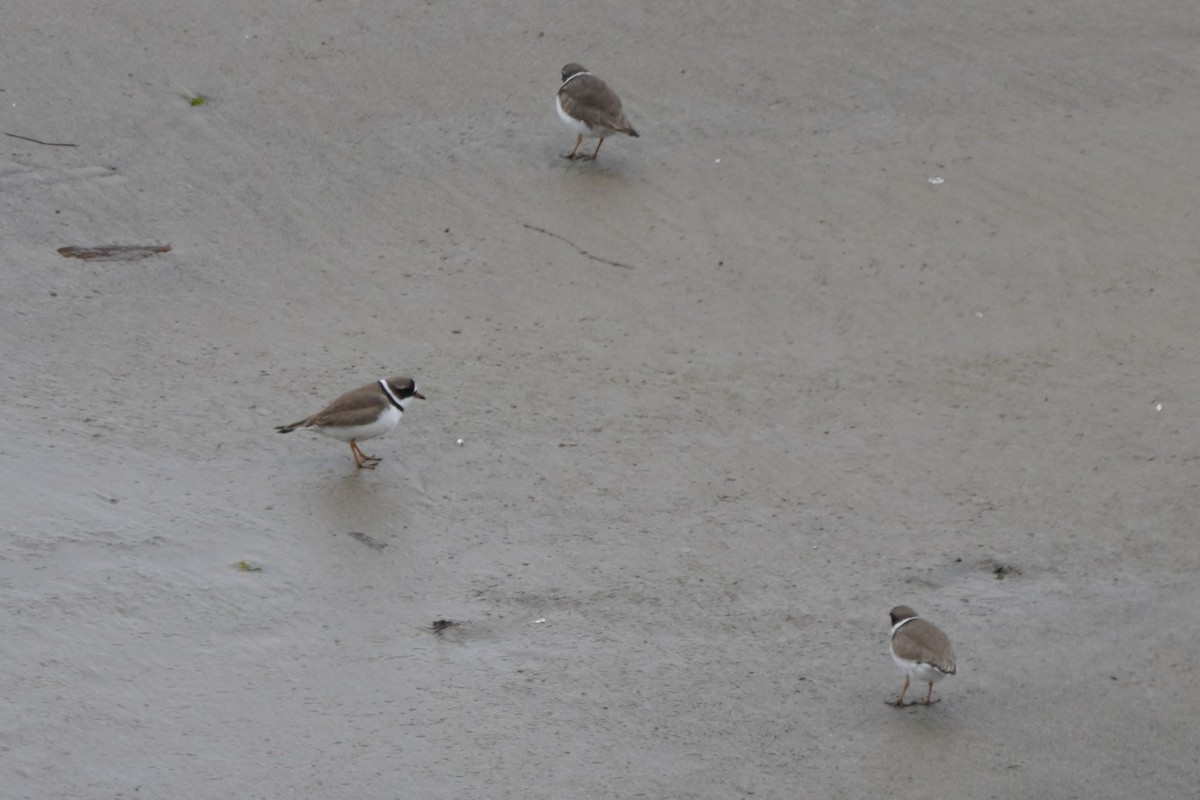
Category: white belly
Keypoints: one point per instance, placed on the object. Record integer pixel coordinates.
(923, 673)
(387, 420)
(577, 127)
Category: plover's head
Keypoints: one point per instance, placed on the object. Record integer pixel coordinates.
(901, 613)
(404, 388)
(572, 69)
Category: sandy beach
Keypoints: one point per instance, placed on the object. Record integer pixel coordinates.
(887, 304)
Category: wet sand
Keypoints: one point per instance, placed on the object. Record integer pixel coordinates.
(689, 488)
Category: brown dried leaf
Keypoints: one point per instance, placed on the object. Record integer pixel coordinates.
(113, 252)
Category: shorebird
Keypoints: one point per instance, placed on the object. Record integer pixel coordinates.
(361, 414)
(921, 650)
(589, 108)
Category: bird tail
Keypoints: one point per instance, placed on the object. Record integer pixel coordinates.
(290, 428)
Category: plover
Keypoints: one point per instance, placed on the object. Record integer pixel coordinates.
(920, 649)
(362, 413)
(589, 108)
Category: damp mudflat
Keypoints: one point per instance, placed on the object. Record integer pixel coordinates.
(884, 306)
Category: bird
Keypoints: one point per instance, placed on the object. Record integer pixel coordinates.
(361, 414)
(921, 649)
(589, 108)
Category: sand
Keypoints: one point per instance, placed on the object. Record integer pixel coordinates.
(887, 304)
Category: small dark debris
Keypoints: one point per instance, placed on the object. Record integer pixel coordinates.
(1002, 570)
(367, 540)
(439, 625)
(113, 252)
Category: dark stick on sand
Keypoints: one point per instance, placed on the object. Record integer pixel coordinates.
(39, 141)
(577, 247)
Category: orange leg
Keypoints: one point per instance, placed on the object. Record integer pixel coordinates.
(595, 153)
(578, 140)
(930, 694)
(361, 458)
(900, 699)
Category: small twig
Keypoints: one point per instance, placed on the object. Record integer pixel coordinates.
(114, 252)
(374, 544)
(577, 247)
(39, 141)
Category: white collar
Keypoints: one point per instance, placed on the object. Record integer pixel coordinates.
(391, 395)
(573, 77)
